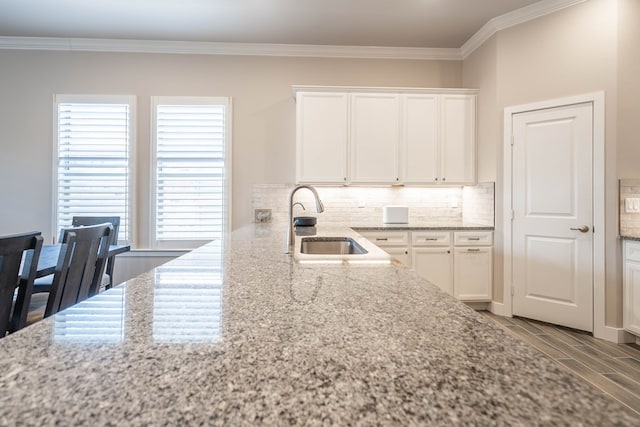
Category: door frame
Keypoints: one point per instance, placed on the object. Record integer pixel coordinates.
(597, 99)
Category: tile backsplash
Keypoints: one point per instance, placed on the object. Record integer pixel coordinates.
(363, 205)
(629, 207)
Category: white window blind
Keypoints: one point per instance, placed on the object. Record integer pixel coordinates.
(190, 167)
(93, 169)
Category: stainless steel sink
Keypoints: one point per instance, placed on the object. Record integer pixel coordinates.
(331, 246)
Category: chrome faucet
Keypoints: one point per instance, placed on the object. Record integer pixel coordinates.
(319, 209)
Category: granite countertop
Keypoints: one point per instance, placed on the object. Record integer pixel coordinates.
(261, 339)
(636, 238)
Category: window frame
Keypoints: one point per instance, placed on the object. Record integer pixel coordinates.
(154, 243)
(131, 101)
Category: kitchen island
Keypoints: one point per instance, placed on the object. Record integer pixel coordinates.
(260, 339)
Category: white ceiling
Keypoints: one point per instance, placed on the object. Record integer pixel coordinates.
(385, 23)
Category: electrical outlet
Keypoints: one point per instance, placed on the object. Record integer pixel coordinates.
(632, 205)
(262, 215)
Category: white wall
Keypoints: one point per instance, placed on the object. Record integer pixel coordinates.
(263, 113)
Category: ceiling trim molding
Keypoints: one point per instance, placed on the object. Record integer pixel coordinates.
(211, 48)
(519, 16)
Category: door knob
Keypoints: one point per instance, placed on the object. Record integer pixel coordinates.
(582, 229)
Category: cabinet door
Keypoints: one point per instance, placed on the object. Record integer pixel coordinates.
(631, 290)
(473, 276)
(435, 265)
(419, 148)
(321, 137)
(458, 139)
(374, 138)
(399, 253)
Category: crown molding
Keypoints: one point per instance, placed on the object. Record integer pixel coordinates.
(212, 48)
(519, 16)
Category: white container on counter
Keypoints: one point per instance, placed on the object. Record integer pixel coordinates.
(395, 214)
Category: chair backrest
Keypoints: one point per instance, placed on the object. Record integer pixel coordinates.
(79, 221)
(12, 249)
(80, 267)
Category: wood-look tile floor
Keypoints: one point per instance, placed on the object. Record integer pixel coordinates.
(612, 368)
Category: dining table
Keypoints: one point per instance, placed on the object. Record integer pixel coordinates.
(49, 257)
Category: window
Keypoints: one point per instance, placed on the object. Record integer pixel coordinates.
(189, 170)
(93, 158)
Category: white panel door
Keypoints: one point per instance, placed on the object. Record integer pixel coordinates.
(419, 152)
(552, 225)
(374, 137)
(321, 135)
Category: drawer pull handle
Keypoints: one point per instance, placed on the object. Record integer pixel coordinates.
(473, 250)
(381, 238)
(473, 238)
(431, 239)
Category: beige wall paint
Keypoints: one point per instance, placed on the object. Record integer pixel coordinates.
(570, 52)
(263, 113)
(628, 159)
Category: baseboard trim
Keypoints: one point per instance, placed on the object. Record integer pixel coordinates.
(613, 334)
(499, 309)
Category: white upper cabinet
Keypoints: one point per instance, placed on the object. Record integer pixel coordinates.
(322, 136)
(458, 139)
(420, 152)
(374, 138)
(386, 136)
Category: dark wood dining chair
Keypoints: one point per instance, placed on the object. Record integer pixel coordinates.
(13, 249)
(79, 221)
(81, 264)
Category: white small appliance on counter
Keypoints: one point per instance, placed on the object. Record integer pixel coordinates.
(395, 214)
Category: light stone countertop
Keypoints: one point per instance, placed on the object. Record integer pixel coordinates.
(260, 339)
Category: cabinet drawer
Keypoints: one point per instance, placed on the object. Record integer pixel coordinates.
(632, 251)
(430, 238)
(386, 238)
(473, 238)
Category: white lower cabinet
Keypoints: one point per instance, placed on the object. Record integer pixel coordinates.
(461, 266)
(631, 286)
(432, 258)
(395, 243)
(472, 274)
(435, 265)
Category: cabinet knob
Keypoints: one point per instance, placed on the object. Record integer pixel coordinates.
(436, 179)
(444, 179)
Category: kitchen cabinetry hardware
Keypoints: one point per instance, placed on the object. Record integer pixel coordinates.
(582, 229)
(473, 250)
